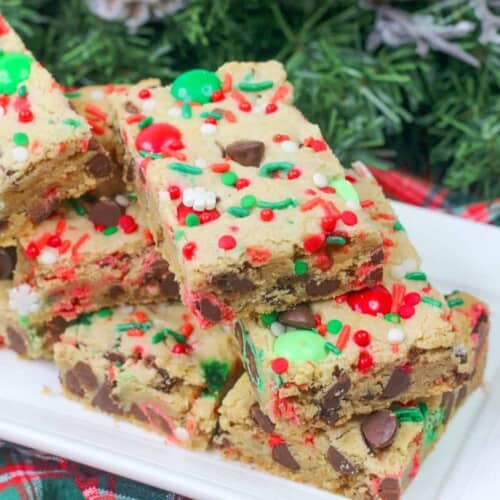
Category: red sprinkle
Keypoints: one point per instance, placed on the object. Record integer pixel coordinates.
(220, 168)
(227, 242)
(187, 329)
(294, 173)
(174, 192)
(279, 365)
(412, 299)
(362, 338)
(127, 224)
(258, 255)
(188, 250)
(271, 108)
(328, 223)
(313, 242)
(179, 349)
(242, 183)
(406, 311)
(218, 96)
(245, 106)
(211, 119)
(32, 251)
(280, 138)
(54, 241)
(25, 115)
(365, 362)
(144, 94)
(349, 218)
(266, 214)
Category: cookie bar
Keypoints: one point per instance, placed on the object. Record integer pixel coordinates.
(246, 200)
(90, 254)
(153, 365)
(47, 152)
(370, 457)
(321, 363)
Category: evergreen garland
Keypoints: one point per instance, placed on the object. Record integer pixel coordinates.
(435, 114)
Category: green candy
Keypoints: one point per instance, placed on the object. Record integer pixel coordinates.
(300, 345)
(15, 68)
(300, 267)
(248, 201)
(196, 85)
(345, 190)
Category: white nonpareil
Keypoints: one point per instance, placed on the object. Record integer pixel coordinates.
(199, 199)
(24, 300)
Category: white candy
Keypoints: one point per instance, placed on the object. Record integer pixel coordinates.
(24, 300)
(407, 266)
(20, 153)
(97, 95)
(395, 336)
(320, 180)
(181, 433)
(200, 162)
(149, 104)
(289, 146)
(199, 198)
(48, 257)
(174, 112)
(277, 329)
(208, 129)
(122, 200)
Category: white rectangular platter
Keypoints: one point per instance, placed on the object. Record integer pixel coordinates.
(457, 254)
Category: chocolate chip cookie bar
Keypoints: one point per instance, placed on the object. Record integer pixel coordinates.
(370, 457)
(47, 151)
(321, 363)
(246, 200)
(152, 365)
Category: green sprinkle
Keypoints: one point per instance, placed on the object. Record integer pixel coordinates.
(215, 374)
(248, 201)
(432, 302)
(24, 320)
(77, 206)
(178, 234)
(255, 87)
(392, 318)
(398, 226)
(238, 211)
(132, 196)
(167, 332)
(229, 178)
(185, 168)
(110, 230)
(345, 190)
(334, 326)
(22, 91)
(146, 122)
(332, 348)
(20, 139)
(186, 111)
(416, 276)
(84, 319)
(105, 312)
(278, 205)
(192, 220)
(123, 327)
(119, 364)
(335, 240)
(147, 154)
(408, 414)
(216, 115)
(300, 267)
(268, 168)
(268, 318)
(72, 122)
(158, 337)
(72, 95)
(455, 302)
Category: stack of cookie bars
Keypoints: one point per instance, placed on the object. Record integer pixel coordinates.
(195, 259)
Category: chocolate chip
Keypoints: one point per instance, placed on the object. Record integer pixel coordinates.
(114, 357)
(105, 213)
(41, 209)
(4, 224)
(136, 412)
(398, 383)
(131, 171)
(232, 282)
(56, 326)
(379, 429)
(208, 310)
(462, 392)
(99, 166)
(339, 462)
(115, 291)
(330, 403)
(158, 421)
(83, 372)
(447, 400)
(16, 341)
(262, 420)
(7, 262)
(250, 363)
(238, 330)
(377, 256)
(246, 153)
(131, 108)
(281, 454)
(373, 277)
(93, 144)
(72, 383)
(104, 400)
(389, 489)
(167, 382)
(326, 287)
(299, 316)
(169, 287)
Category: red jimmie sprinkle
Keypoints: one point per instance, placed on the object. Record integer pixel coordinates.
(349, 218)
(328, 223)
(316, 145)
(227, 242)
(365, 362)
(242, 183)
(188, 250)
(54, 241)
(280, 138)
(271, 108)
(313, 242)
(245, 106)
(279, 365)
(217, 96)
(127, 224)
(294, 173)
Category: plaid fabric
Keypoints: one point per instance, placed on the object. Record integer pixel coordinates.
(30, 475)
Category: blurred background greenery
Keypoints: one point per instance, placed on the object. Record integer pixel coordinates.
(434, 115)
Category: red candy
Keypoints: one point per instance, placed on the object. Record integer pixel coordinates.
(316, 145)
(313, 242)
(211, 119)
(280, 138)
(179, 349)
(349, 218)
(323, 261)
(188, 250)
(245, 106)
(217, 96)
(373, 301)
(159, 138)
(227, 242)
(54, 241)
(293, 174)
(127, 224)
(279, 365)
(271, 108)
(144, 94)
(328, 223)
(174, 192)
(242, 183)
(406, 311)
(365, 361)
(32, 251)
(362, 338)
(412, 299)
(25, 115)
(266, 214)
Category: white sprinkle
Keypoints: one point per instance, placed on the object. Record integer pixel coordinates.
(24, 300)
(149, 104)
(20, 153)
(277, 329)
(208, 129)
(200, 162)
(199, 198)
(320, 180)
(210, 201)
(174, 112)
(122, 200)
(289, 146)
(97, 94)
(395, 336)
(48, 257)
(188, 197)
(181, 433)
